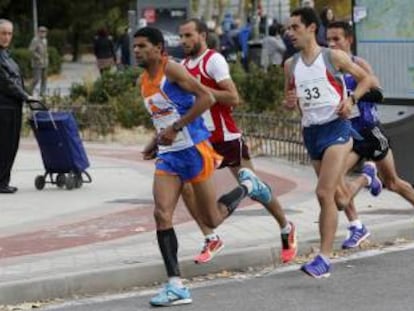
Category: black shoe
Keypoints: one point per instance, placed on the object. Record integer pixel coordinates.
(8, 189)
(14, 188)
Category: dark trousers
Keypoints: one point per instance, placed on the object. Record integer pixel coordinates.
(10, 126)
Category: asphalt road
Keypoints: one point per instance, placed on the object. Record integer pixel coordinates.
(380, 280)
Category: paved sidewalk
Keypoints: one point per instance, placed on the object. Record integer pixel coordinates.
(100, 238)
(84, 71)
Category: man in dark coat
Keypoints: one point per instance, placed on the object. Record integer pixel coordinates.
(12, 96)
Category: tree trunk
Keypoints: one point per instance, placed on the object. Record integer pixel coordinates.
(195, 8)
(222, 4)
(241, 9)
(208, 10)
(75, 45)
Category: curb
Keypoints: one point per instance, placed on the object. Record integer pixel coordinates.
(115, 279)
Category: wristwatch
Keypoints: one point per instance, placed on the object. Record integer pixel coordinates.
(354, 100)
(176, 127)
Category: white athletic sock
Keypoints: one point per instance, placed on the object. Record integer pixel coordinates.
(176, 281)
(286, 229)
(356, 223)
(248, 184)
(369, 180)
(212, 236)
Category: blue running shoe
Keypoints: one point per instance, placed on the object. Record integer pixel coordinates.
(317, 268)
(260, 192)
(369, 169)
(356, 236)
(170, 296)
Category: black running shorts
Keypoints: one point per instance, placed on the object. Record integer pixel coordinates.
(233, 152)
(375, 145)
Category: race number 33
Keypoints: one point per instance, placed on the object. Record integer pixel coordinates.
(312, 93)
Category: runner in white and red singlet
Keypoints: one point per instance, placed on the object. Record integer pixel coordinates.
(212, 70)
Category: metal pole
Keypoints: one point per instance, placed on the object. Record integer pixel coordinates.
(280, 13)
(35, 17)
(255, 20)
(138, 10)
(266, 34)
(132, 25)
(354, 44)
(267, 18)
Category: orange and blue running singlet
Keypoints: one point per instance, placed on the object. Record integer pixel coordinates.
(190, 156)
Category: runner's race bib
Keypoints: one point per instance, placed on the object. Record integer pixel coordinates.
(314, 94)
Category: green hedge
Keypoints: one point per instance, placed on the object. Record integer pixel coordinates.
(58, 38)
(23, 57)
(119, 93)
(260, 91)
(55, 61)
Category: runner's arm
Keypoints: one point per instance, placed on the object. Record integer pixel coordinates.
(150, 150)
(203, 100)
(365, 80)
(228, 94)
(218, 69)
(290, 101)
(375, 94)
(343, 62)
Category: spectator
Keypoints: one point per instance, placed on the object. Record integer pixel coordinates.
(229, 42)
(327, 16)
(12, 96)
(308, 3)
(245, 34)
(273, 47)
(104, 50)
(213, 41)
(263, 23)
(225, 43)
(122, 48)
(40, 59)
(227, 23)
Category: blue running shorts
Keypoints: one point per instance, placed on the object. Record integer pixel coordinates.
(318, 138)
(194, 164)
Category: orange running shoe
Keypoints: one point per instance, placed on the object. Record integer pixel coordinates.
(210, 249)
(289, 245)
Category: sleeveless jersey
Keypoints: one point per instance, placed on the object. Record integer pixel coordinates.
(366, 115)
(218, 119)
(319, 87)
(166, 102)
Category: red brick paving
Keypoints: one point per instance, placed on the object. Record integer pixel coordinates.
(116, 225)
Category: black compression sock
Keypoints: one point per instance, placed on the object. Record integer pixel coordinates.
(168, 244)
(232, 199)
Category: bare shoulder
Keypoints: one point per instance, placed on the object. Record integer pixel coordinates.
(139, 80)
(363, 63)
(174, 71)
(171, 64)
(341, 60)
(288, 64)
(339, 56)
